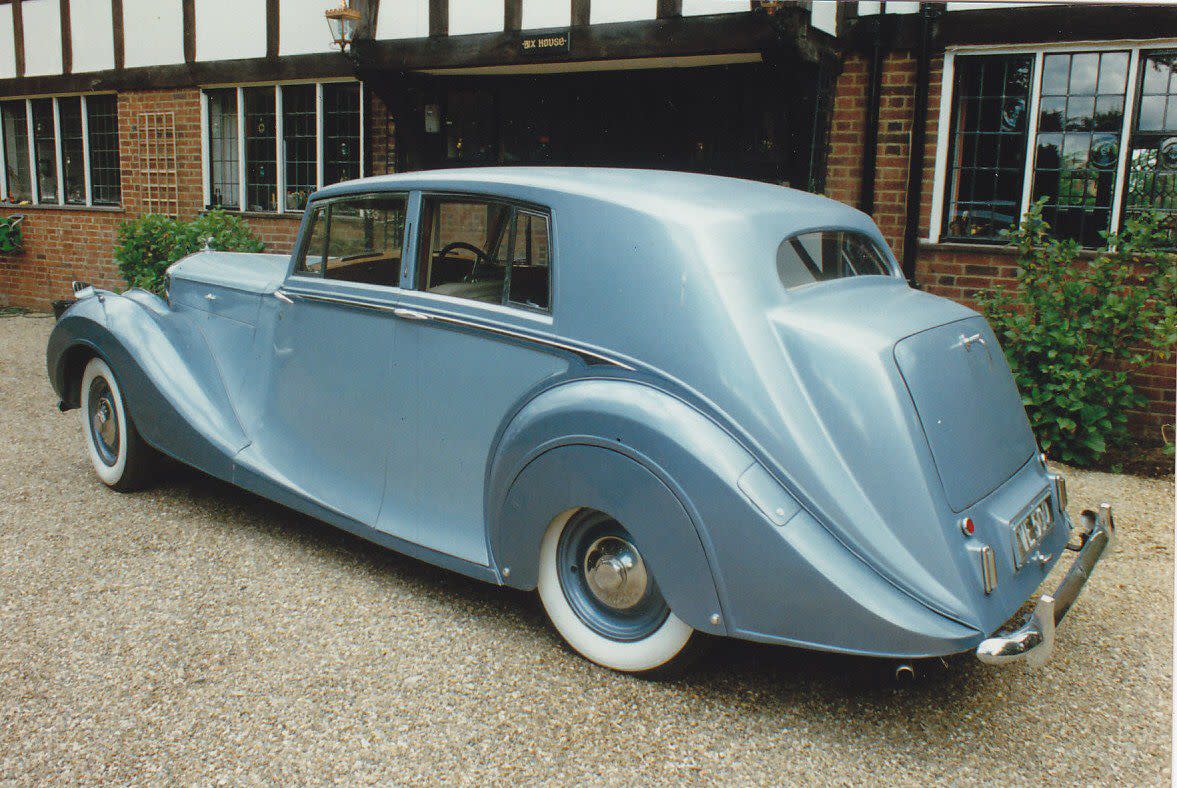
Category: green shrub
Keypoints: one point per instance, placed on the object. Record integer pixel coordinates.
(1077, 326)
(11, 238)
(146, 246)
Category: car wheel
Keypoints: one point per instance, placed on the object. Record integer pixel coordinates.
(603, 599)
(120, 457)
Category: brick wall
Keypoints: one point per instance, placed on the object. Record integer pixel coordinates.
(62, 244)
(955, 271)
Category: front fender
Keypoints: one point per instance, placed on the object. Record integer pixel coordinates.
(173, 388)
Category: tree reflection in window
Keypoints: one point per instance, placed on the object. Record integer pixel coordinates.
(1081, 117)
(1152, 157)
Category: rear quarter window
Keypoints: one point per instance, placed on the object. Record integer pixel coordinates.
(822, 255)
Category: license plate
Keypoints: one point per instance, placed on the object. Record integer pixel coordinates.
(1029, 532)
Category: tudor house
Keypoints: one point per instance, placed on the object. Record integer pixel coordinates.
(944, 121)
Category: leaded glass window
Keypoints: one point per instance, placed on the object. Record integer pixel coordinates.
(1152, 152)
(341, 132)
(1080, 120)
(73, 154)
(45, 151)
(988, 145)
(223, 165)
(103, 127)
(298, 137)
(16, 150)
(261, 170)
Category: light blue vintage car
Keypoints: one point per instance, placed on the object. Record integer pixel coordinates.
(672, 403)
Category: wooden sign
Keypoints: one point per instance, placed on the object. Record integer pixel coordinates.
(546, 43)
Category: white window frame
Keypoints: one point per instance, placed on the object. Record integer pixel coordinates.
(279, 143)
(1134, 47)
(59, 162)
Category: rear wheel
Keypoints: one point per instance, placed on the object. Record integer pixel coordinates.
(122, 460)
(603, 599)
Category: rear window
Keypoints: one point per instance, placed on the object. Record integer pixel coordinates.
(828, 254)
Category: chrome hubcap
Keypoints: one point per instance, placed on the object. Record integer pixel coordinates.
(615, 572)
(605, 579)
(104, 422)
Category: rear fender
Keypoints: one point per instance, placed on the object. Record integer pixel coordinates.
(629, 450)
(171, 383)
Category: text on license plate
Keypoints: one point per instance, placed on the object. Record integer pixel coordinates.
(1030, 530)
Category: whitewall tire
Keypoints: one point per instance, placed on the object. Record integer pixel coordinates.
(600, 597)
(119, 456)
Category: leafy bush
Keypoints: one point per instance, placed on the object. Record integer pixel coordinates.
(11, 237)
(1077, 326)
(147, 245)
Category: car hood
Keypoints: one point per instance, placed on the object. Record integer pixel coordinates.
(245, 271)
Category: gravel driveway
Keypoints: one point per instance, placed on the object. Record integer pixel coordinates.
(198, 633)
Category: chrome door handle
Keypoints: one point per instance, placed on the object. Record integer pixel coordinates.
(409, 314)
(281, 296)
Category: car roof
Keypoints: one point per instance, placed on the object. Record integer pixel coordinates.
(672, 194)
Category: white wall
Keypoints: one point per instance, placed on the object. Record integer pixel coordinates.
(403, 19)
(231, 29)
(302, 28)
(42, 38)
(476, 16)
(153, 32)
(698, 7)
(824, 16)
(7, 48)
(603, 11)
(546, 13)
(92, 33)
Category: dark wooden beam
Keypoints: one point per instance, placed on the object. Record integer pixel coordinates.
(369, 14)
(67, 39)
(580, 13)
(272, 28)
(1071, 22)
(679, 36)
(116, 17)
(439, 17)
(669, 8)
(18, 37)
(189, 11)
(512, 15)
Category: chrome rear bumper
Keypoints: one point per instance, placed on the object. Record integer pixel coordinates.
(1033, 642)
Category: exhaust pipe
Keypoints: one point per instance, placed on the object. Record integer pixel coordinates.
(904, 673)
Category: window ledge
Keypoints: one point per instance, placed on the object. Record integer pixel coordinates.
(258, 214)
(1005, 250)
(13, 206)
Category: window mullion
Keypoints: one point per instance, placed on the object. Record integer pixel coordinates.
(279, 152)
(84, 108)
(34, 190)
(3, 162)
(57, 150)
(360, 169)
(319, 164)
(205, 168)
(1125, 140)
(241, 166)
(1031, 135)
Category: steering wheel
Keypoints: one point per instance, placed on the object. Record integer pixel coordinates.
(479, 255)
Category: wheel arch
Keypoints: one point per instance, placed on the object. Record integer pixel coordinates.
(632, 451)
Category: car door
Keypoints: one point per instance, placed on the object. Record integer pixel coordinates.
(482, 285)
(331, 414)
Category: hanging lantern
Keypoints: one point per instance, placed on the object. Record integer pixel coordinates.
(342, 22)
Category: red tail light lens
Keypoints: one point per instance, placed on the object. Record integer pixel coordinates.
(967, 526)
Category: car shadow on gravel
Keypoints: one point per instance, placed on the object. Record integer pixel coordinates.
(726, 667)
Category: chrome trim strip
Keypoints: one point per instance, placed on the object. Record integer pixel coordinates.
(1033, 642)
(440, 317)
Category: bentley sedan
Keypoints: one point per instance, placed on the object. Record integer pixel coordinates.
(673, 404)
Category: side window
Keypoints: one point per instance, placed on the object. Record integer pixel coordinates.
(530, 255)
(357, 240)
(463, 251)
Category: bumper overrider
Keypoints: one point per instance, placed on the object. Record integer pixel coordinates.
(1033, 642)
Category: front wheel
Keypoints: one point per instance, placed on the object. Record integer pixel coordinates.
(603, 599)
(122, 460)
